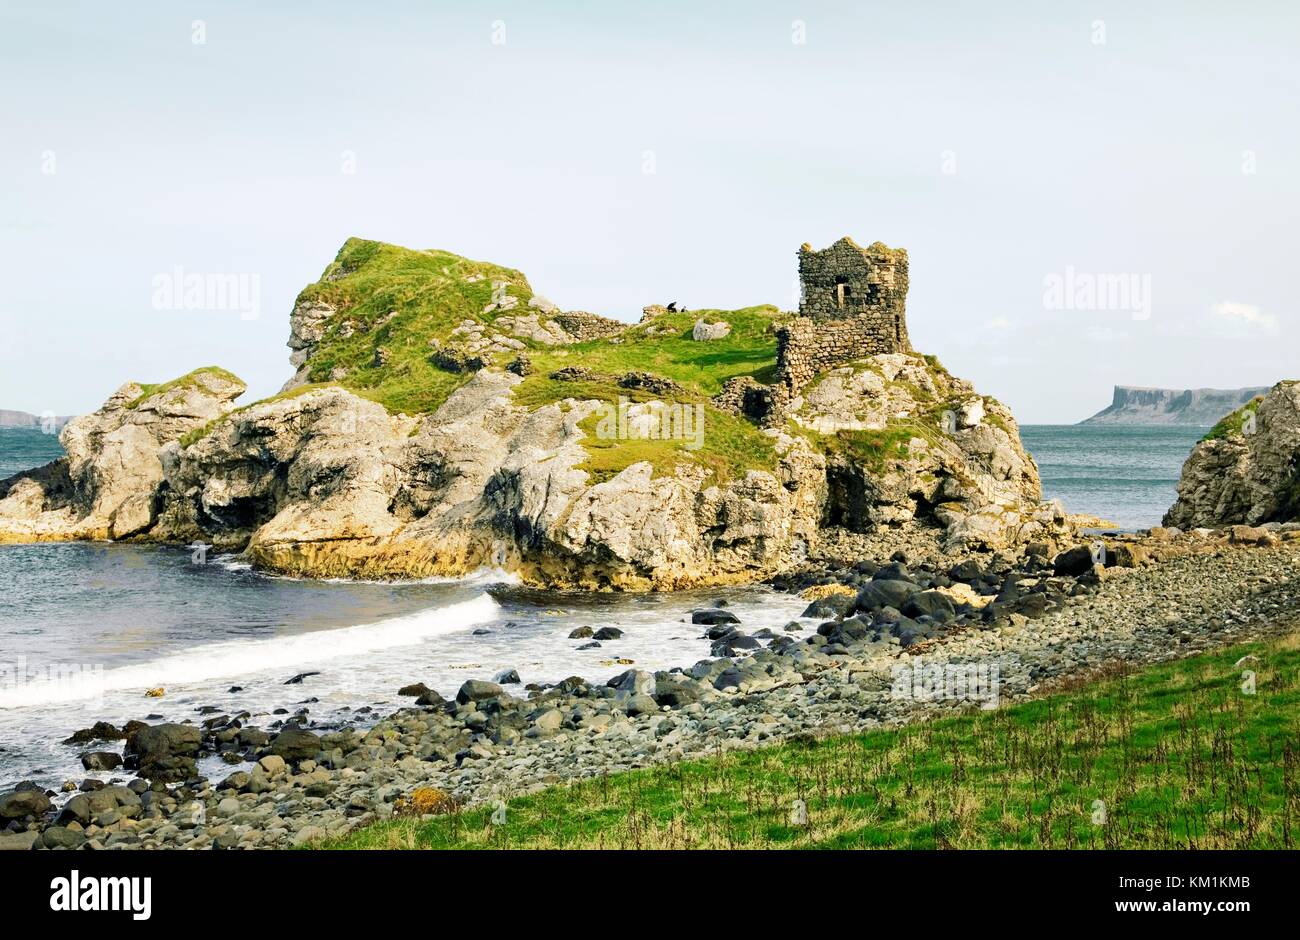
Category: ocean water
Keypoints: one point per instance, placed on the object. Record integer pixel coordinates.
(1126, 475)
(87, 628)
(23, 448)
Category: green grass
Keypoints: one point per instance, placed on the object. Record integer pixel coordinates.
(1230, 424)
(1178, 754)
(190, 379)
(730, 447)
(664, 346)
(399, 299)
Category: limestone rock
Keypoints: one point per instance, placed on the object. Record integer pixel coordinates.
(1248, 475)
(708, 331)
(925, 450)
(107, 485)
(307, 324)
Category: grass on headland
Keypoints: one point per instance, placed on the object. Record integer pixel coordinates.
(1231, 424)
(731, 445)
(399, 299)
(191, 379)
(1174, 756)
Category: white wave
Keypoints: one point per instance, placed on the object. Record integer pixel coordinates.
(242, 658)
(484, 575)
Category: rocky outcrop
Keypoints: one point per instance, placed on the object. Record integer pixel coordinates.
(307, 325)
(1190, 406)
(325, 483)
(108, 485)
(913, 444)
(437, 448)
(1247, 470)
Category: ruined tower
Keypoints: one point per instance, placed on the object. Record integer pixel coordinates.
(866, 285)
(852, 305)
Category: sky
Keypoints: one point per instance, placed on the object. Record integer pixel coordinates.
(1090, 193)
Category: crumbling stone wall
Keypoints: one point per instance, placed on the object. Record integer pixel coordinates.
(744, 395)
(583, 326)
(852, 305)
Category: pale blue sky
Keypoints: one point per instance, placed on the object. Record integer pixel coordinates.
(1118, 157)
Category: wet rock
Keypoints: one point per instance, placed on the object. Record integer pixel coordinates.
(888, 592)
(713, 616)
(99, 731)
(929, 604)
(640, 705)
(478, 690)
(61, 837)
(506, 677)
(633, 682)
(677, 692)
(101, 760)
(832, 605)
(23, 803)
(580, 633)
(164, 752)
(732, 643)
(607, 633)
(295, 744)
(85, 807)
(431, 699)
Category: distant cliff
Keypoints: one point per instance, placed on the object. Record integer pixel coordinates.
(22, 419)
(1195, 406)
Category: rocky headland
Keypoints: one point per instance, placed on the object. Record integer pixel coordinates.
(1133, 405)
(1246, 471)
(442, 417)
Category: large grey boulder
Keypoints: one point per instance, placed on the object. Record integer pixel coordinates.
(295, 744)
(887, 592)
(164, 752)
(85, 807)
(23, 803)
(1249, 472)
(478, 690)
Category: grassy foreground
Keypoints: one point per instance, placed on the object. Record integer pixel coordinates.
(1179, 756)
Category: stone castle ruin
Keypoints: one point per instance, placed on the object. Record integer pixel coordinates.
(852, 305)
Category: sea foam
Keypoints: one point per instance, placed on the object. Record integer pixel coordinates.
(239, 659)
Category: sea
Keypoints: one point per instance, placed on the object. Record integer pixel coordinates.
(87, 628)
(1125, 475)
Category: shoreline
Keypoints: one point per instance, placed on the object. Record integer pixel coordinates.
(297, 787)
